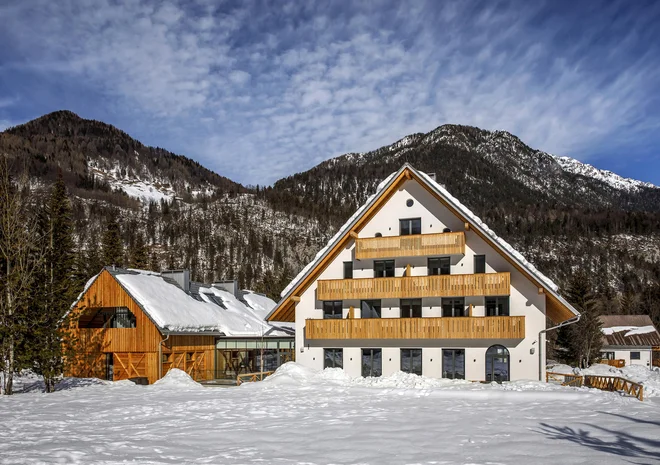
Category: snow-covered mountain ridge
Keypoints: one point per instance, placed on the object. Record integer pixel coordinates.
(608, 177)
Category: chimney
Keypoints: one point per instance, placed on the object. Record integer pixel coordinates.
(181, 277)
(230, 286)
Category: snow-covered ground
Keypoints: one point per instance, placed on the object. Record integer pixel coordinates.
(301, 416)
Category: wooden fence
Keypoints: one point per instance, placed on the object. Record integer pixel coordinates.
(618, 363)
(604, 383)
(252, 377)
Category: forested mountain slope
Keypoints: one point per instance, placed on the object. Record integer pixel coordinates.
(562, 214)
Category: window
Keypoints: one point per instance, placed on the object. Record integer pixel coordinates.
(410, 202)
(411, 308)
(383, 268)
(453, 363)
(370, 309)
(454, 307)
(372, 362)
(635, 355)
(410, 226)
(333, 358)
(107, 317)
(479, 263)
(332, 309)
(438, 266)
(348, 270)
(607, 355)
(411, 361)
(497, 306)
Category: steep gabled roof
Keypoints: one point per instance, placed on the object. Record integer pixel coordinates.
(202, 309)
(629, 331)
(557, 308)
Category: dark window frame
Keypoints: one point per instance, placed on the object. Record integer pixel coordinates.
(458, 307)
(372, 309)
(348, 274)
(411, 354)
(439, 266)
(415, 307)
(454, 353)
(493, 308)
(413, 226)
(388, 268)
(479, 267)
(637, 355)
(333, 309)
(119, 317)
(333, 355)
(372, 369)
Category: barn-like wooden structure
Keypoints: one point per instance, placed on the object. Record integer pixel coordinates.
(134, 324)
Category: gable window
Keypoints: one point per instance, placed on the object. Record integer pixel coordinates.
(440, 265)
(108, 317)
(372, 362)
(411, 361)
(454, 307)
(411, 308)
(497, 306)
(410, 226)
(348, 270)
(635, 355)
(332, 309)
(333, 358)
(479, 263)
(370, 309)
(383, 268)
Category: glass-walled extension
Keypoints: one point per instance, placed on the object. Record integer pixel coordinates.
(239, 356)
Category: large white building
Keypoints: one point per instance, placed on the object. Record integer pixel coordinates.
(415, 282)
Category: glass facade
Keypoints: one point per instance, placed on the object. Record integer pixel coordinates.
(240, 356)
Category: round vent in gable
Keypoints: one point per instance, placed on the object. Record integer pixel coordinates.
(410, 202)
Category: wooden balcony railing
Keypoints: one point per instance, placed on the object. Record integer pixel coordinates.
(489, 327)
(410, 246)
(455, 285)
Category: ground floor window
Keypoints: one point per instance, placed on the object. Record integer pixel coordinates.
(372, 362)
(635, 355)
(411, 361)
(453, 363)
(607, 355)
(333, 358)
(497, 364)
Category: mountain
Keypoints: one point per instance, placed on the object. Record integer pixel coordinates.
(562, 214)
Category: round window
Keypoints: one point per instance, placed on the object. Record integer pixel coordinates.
(410, 202)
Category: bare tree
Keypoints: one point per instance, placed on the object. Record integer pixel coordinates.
(20, 257)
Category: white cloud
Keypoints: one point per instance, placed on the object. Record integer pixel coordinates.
(259, 94)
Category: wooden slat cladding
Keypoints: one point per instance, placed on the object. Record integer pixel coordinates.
(490, 327)
(458, 285)
(410, 246)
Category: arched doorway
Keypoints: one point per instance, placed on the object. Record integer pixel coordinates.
(497, 364)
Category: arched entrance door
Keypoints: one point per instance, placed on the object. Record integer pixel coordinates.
(497, 364)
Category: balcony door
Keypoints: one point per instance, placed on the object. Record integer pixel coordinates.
(410, 226)
(454, 307)
(453, 363)
(497, 364)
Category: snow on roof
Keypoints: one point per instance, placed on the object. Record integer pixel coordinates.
(475, 220)
(174, 310)
(629, 330)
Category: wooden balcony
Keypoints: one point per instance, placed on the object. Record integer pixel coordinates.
(489, 327)
(410, 246)
(455, 285)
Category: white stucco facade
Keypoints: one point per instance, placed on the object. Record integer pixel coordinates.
(524, 299)
(644, 355)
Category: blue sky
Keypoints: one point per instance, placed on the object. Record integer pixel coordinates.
(259, 90)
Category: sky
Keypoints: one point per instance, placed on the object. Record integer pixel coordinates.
(259, 90)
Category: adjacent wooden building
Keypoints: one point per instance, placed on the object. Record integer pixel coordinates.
(133, 324)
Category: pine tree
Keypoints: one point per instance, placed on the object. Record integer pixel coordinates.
(57, 288)
(113, 250)
(139, 253)
(584, 339)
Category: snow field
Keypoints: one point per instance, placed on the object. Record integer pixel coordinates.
(302, 416)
